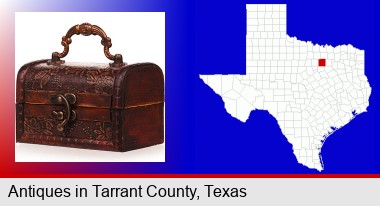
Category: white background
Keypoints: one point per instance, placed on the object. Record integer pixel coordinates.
(138, 36)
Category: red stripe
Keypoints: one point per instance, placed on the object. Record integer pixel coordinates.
(191, 176)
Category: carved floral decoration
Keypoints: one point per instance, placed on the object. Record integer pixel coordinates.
(103, 132)
(38, 125)
(43, 76)
(92, 130)
(90, 80)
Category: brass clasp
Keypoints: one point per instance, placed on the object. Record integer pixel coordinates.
(65, 115)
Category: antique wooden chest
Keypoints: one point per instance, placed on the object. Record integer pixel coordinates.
(114, 106)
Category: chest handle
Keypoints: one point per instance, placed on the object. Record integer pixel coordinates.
(86, 29)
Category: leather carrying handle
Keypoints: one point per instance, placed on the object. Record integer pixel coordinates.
(87, 29)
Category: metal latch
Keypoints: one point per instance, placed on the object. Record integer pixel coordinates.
(67, 100)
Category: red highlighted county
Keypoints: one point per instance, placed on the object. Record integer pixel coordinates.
(283, 77)
(322, 62)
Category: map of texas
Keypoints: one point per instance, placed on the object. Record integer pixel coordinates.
(311, 90)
